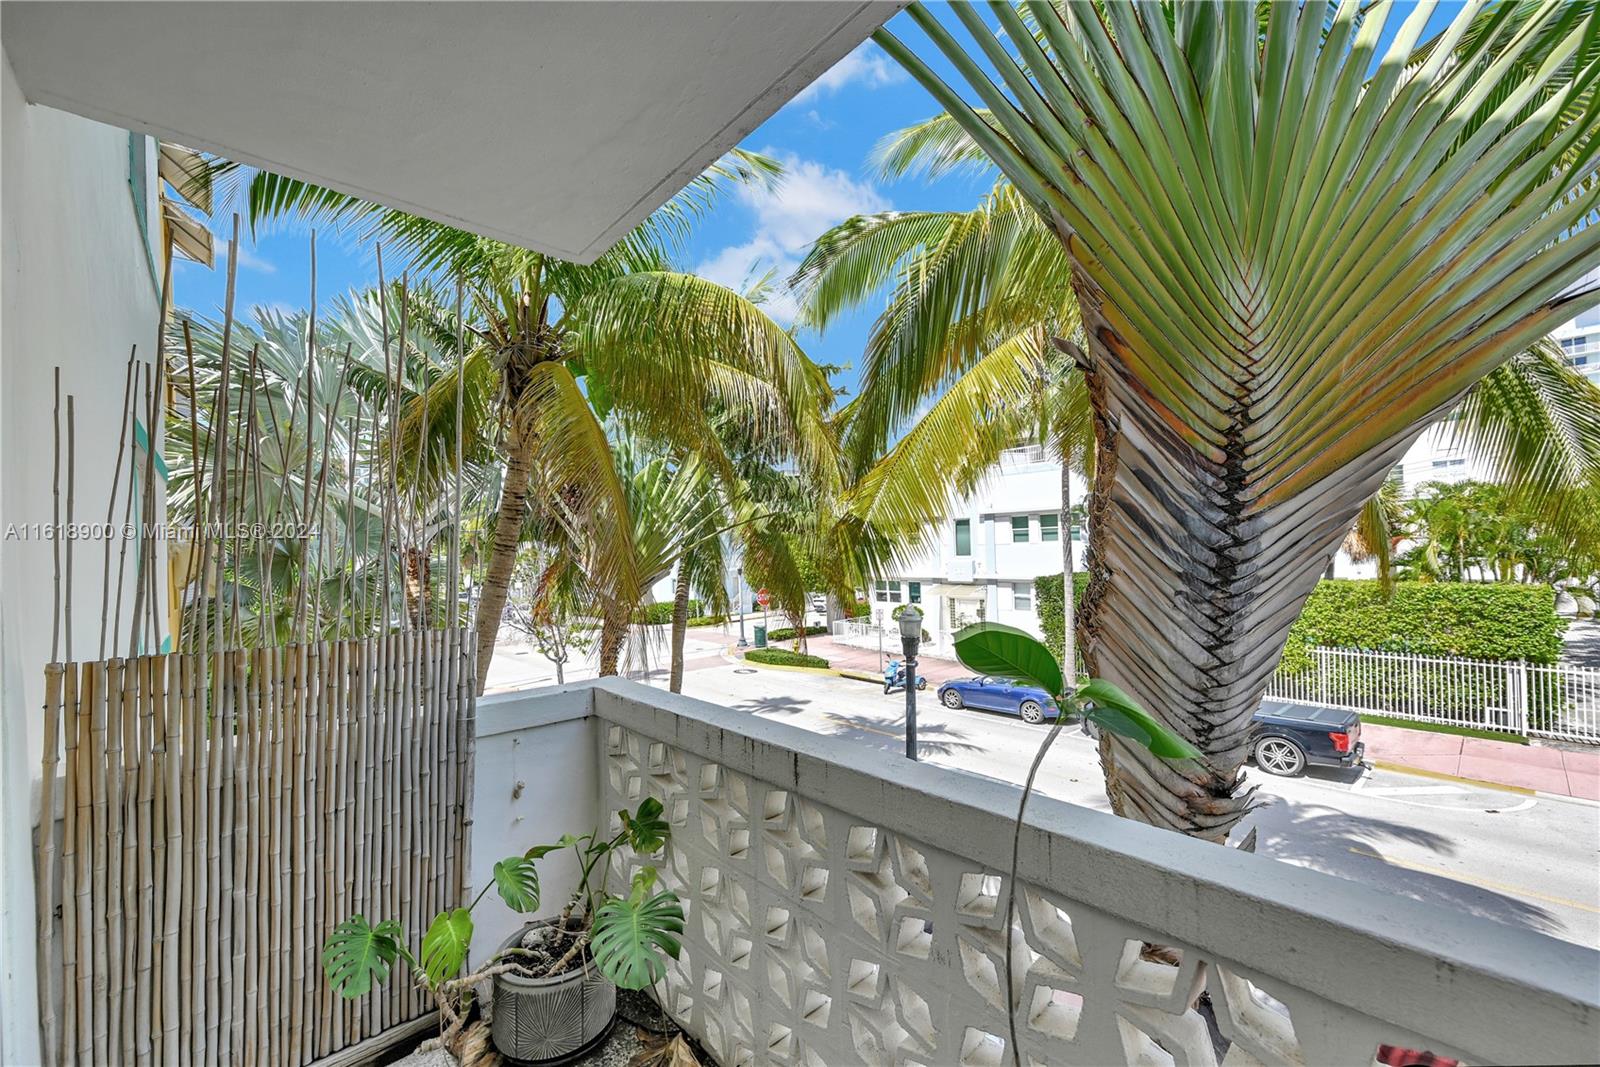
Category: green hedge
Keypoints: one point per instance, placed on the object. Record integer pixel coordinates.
(1047, 602)
(784, 658)
(659, 613)
(707, 620)
(789, 633)
(1480, 620)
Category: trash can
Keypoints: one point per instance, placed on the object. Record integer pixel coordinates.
(761, 637)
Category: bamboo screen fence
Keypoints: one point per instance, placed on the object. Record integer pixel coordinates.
(217, 824)
(302, 752)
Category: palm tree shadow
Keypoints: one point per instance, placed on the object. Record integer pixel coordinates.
(773, 705)
(1351, 847)
(933, 739)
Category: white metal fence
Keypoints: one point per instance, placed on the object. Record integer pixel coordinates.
(1512, 696)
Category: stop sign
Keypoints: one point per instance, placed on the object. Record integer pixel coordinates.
(763, 597)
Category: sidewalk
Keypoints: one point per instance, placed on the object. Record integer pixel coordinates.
(1537, 767)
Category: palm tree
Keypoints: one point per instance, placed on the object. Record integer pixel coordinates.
(569, 344)
(1290, 255)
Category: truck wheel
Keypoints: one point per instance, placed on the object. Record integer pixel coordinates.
(1031, 711)
(1280, 756)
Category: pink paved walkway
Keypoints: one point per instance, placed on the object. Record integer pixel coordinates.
(1549, 770)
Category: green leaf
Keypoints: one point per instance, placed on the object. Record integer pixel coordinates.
(647, 830)
(630, 936)
(444, 946)
(356, 955)
(518, 883)
(993, 648)
(1114, 710)
(539, 852)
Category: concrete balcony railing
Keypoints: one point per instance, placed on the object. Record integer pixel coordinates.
(846, 906)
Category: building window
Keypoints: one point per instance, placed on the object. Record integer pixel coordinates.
(882, 592)
(894, 592)
(1443, 464)
(1019, 528)
(963, 537)
(1049, 527)
(914, 592)
(1022, 596)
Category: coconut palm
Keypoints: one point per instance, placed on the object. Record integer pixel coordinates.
(625, 335)
(1290, 254)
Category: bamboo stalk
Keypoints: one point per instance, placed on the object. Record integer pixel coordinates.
(311, 411)
(99, 948)
(362, 888)
(55, 526)
(388, 377)
(175, 741)
(113, 846)
(293, 1002)
(192, 982)
(239, 764)
(326, 779)
(223, 728)
(44, 872)
(131, 763)
(279, 1021)
(322, 487)
(396, 399)
(147, 545)
(111, 503)
(163, 819)
(72, 463)
(83, 827)
(145, 763)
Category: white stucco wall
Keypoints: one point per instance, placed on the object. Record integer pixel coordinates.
(77, 290)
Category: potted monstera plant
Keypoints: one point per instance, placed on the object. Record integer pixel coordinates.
(555, 981)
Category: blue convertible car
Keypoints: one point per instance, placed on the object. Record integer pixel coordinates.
(991, 693)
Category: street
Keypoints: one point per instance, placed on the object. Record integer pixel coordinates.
(1524, 860)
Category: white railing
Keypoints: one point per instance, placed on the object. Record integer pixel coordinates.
(1509, 696)
(847, 906)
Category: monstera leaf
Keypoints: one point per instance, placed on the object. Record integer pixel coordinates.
(647, 830)
(1112, 709)
(631, 935)
(357, 955)
(993, 648)
(518, 883)
(444, 946)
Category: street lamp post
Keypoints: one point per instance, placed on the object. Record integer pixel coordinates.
(910, 637)
(742, 642)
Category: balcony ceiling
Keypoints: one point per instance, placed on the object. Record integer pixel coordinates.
(556, 126)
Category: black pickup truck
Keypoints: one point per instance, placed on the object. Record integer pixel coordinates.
(1291, 735)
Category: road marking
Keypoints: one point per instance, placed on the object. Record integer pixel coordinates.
(1411, 790)
(1521, 806)
(1486, 883)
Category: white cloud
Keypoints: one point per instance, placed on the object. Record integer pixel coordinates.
(248, 260)
(812, 198)
(866, 66)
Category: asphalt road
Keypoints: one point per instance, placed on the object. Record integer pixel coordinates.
(1526, 861)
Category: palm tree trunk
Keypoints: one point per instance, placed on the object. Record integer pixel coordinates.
(680, 625)
(418, 574)
(613, 633)
(507, 537)
(1195, 575)
(1069, 639)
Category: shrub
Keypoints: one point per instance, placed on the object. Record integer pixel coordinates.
(856, 609)
(1047, 602)
(660, 613)
(706, 620)
(789, 633)
(1480, 620)
(784, 658)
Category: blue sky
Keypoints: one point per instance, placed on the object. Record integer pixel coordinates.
(824, 137)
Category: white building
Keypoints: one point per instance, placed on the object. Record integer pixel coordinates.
(983, 561)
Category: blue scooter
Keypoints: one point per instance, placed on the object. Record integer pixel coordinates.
(894, 677)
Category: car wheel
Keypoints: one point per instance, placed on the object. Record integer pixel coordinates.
(1280, 756)
(1031, 711)
(922, 683)
(951, 699)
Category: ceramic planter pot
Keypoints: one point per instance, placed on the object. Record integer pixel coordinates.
(549, 1021)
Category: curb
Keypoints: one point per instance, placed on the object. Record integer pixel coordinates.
(1406, 768)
